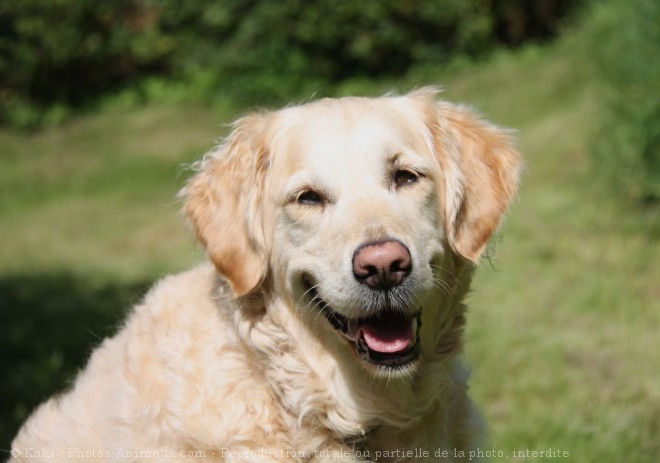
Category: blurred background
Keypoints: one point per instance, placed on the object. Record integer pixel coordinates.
(103, 104)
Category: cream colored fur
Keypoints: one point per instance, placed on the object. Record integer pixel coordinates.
(232, 361)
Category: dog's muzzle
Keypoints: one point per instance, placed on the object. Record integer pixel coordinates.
(387, 339)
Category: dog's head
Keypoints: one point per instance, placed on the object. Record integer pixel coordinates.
(357, 211)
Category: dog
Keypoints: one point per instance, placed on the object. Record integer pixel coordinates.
(327, 324)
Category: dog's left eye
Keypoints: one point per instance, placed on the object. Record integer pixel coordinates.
(404, 177)
(310, 198)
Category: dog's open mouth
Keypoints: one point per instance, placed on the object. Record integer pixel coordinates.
(388, 339)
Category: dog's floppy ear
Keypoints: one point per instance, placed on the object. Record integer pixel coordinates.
(223, 203)
(481, 170)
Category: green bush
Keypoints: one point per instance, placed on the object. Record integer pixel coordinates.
(61, 54)
(66, 52)
(624, 40)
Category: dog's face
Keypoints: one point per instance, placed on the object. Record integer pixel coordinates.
(353, 189)
(350, 210)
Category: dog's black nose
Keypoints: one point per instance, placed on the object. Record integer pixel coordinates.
(382, 264)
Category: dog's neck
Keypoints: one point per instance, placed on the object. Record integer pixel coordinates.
(344, 401)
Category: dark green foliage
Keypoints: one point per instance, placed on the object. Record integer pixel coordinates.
(67, 52)
(50, 324)
(518, 21)
(624, 40)
(61, 54)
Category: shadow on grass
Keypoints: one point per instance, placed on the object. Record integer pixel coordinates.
(50, 324)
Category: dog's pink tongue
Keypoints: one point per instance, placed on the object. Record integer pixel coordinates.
(388, 338)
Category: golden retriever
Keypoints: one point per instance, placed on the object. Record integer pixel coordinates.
(343, 234)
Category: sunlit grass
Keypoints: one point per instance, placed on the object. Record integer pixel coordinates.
(101, 191)
(563, 333)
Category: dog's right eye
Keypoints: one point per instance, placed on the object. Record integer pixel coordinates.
(404, 177)
(310, 198)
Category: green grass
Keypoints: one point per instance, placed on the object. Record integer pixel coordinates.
(564, 332)
(96, 193)
(564, 322)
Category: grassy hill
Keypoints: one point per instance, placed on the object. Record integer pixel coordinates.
(564, 321)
